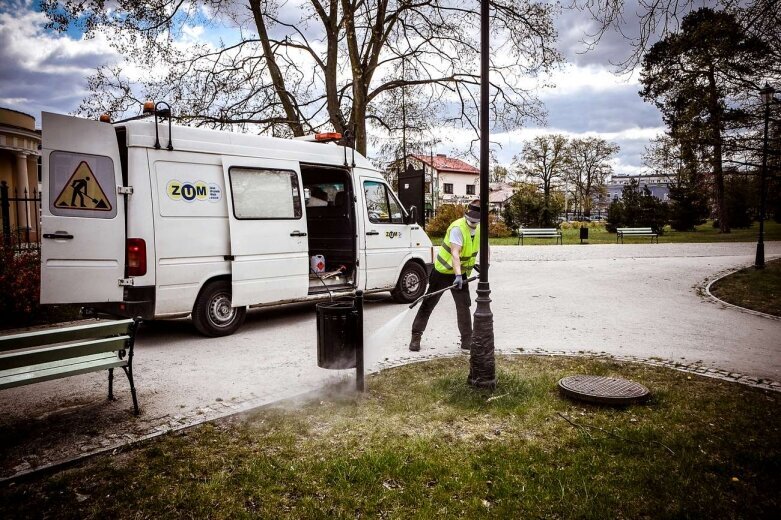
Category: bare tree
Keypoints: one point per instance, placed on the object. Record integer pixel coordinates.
(588, 167)
(320, 63)
(543, 160)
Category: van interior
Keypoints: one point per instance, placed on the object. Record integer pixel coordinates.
(331, 227)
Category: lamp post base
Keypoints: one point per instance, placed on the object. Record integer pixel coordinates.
(482, 365)
(759, 261)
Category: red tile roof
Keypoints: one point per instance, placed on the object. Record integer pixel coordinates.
(447, 164)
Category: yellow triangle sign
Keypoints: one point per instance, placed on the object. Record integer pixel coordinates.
(83, 192)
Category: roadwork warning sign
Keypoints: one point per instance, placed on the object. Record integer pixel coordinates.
(82, 191)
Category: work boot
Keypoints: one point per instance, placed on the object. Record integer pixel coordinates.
(414, 344)
(466, 342)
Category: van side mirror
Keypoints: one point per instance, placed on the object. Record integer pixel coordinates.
(412, 215)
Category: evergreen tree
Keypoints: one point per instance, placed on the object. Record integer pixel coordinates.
(615, 215)
(692, 75)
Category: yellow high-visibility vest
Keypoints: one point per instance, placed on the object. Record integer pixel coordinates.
(468, 256)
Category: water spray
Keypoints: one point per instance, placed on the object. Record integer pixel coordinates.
(429, 295)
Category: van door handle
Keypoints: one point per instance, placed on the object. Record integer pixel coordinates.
(372, 232)
(297, 234)
(58, 235)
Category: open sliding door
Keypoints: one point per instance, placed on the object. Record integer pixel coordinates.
(269, 248)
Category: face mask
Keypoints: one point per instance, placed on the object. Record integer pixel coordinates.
(471, 224)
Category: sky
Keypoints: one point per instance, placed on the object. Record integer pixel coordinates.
(41, 70)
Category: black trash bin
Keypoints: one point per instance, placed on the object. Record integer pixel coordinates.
(583, 234)
(337, 334)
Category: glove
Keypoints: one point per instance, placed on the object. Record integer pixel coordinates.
(459, 282)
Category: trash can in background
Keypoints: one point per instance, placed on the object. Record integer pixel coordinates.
(583, 234)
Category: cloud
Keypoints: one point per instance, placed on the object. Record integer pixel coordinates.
(44, 70)
(594, 109)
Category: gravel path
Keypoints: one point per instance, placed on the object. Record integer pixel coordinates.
(641, 301)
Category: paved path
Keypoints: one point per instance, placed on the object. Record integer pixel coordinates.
(625, 300)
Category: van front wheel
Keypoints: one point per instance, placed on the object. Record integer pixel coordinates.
(213, 314)
(411, 285)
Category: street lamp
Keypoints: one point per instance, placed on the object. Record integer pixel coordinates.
(766, 94)
(482, 363)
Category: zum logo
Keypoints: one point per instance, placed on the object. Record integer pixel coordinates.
(393, 234)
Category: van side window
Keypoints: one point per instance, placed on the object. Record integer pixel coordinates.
(381, 204)
(260, 193)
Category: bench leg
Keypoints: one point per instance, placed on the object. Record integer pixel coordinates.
(129, 374)
(110, 384)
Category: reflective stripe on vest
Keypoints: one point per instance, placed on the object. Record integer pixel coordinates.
(468, 256)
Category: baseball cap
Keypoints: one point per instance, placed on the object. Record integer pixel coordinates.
(472, 213)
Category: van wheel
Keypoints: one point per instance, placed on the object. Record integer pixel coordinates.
(213, 314)
(411, 284)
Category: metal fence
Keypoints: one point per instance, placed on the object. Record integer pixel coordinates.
(20, 216)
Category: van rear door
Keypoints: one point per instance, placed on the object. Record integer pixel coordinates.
(268, 244)
(82, 218)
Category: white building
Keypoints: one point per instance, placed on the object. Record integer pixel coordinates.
(448, 180)
(658, 184)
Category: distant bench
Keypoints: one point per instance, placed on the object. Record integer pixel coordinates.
(33, 357)
(636, 232)
(539, 233)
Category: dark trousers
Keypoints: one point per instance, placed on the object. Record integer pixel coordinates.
(436, 282)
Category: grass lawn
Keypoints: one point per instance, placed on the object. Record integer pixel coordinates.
(422, 444)
(758, 289)
(598, 235)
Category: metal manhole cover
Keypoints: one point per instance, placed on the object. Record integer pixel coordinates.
(603, 390)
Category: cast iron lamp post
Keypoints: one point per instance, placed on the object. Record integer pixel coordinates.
(482, 365)
(767, 96)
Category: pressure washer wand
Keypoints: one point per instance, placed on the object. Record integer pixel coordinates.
(429, 295)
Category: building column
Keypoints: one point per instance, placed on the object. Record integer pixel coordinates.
(22, 184)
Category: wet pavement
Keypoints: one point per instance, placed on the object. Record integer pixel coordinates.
(632, 301)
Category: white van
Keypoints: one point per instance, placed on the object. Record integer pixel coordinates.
(213, 222)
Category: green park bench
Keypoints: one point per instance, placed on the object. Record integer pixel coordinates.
(636, 232)
(33, 357)
(539, 233)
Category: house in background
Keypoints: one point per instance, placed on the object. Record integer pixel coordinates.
(19, 142)
(448, 180)
(498, 195)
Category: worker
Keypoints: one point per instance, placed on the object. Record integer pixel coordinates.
(452, 267)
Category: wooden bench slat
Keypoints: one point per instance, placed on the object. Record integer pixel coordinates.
(22, 358)
(52, 336)
(58, 372)
(59, 364)
(49, 354)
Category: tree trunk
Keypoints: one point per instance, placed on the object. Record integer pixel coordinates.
(718, 172)
(358, 117)
(331, 21)
(288, 105)
(360, 93)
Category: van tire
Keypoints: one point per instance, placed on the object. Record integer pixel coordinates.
(411, 285)
(213, 315)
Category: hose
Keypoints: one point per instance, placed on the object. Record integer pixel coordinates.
(439, 292)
